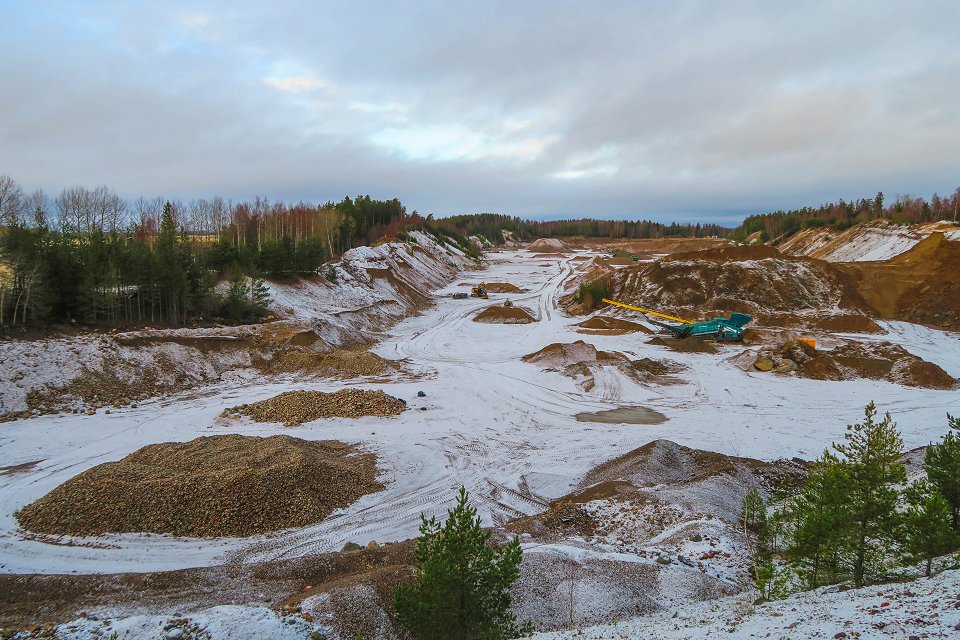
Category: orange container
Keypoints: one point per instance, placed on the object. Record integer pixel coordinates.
(809, 341)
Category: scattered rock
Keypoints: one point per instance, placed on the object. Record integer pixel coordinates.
(763, 363)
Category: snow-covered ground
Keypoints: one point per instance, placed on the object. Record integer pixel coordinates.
(503, 428)
(925, 608)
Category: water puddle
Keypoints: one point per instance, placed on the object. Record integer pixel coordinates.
(623, 415)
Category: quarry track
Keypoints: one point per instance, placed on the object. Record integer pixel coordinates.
(502, 428)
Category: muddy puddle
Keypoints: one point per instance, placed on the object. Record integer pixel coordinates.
(623, 415)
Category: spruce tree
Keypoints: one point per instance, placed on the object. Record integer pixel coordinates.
(872, 452)
(942, 464)
(462, 586)
(926, 532)
(259, 296)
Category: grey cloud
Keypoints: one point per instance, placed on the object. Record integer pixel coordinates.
(662, 109)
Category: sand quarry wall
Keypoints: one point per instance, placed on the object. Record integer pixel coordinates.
(744, 278)
(374, 288)
(921, 285)
(870, 241)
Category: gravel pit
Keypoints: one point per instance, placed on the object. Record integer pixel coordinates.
(623, 415)
(213, 486)
(297, 407)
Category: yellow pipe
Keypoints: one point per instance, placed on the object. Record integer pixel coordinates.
(642, 310)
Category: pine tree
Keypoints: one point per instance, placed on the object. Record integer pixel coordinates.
(872, 452)
(822, 521)
(462, 586)
(942, 464)
(926, 532)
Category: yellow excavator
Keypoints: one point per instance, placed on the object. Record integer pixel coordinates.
(479, 291)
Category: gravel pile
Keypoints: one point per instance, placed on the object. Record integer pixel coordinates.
(228, 485)
(504, 315)
(297, 407)
(347, 362)
(342, 363)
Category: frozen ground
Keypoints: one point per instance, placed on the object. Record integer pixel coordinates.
(926, 608)
(503, 428)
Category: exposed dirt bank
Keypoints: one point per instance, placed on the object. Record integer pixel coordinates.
(921, 285)
(212, 486)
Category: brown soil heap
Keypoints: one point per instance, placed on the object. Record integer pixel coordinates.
(612, 326)
(228, 485)
(504, 315)
(503, 287)
(876, 361)
(297, 407)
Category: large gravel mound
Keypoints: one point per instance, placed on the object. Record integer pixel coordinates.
(297, 407)
(228, 485)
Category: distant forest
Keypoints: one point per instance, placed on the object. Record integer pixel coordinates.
(779, 225)
(87, 256)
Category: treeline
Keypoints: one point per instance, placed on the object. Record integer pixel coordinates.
(780, 225)
(88, 256)
(491, 226)
(856, 518)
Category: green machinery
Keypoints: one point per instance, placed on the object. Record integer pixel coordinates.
(721, 329)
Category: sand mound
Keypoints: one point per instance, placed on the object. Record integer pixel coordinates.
(549, 245)
(297, 407)
(503, 287)
(579, 359)
(612, 326)
(213, 486)
(748, 279)
(504, 315)
(876, 361)
(558, 355)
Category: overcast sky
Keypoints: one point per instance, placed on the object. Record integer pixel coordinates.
(671, 110)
